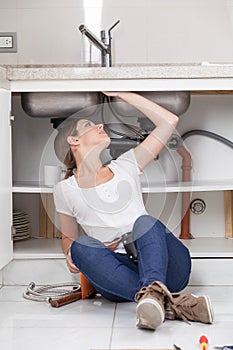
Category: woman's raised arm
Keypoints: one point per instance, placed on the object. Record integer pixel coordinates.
(165, 122)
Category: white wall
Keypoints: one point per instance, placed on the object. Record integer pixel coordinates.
(150, 30)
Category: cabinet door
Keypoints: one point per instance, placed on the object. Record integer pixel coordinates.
(6, 243)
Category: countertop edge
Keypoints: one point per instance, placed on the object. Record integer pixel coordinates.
(134, 72)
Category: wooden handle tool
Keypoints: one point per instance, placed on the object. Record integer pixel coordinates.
(65, 300)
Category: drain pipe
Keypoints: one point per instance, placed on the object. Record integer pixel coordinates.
(176, 143)
(185, 206)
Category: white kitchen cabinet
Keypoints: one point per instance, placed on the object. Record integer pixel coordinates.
(6, 245)
(203, 247)
(211, 246)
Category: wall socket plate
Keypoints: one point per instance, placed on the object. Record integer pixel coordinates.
(8, 42)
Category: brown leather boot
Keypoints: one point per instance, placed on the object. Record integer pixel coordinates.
(150, 309)
(189, 307)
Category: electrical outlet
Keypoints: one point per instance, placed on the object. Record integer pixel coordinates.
(8, 42)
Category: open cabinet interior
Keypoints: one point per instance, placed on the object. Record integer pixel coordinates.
(162, 186)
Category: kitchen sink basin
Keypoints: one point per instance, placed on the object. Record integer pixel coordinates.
(64, 104)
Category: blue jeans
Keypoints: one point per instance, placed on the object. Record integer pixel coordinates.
(161, 257)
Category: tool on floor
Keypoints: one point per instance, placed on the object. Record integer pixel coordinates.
(55, 294)
(224, 347)
(203, 342)
(176, 347)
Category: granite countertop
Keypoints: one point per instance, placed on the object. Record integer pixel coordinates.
(3, 73)
(127, 71)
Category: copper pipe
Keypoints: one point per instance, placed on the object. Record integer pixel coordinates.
(185, 209)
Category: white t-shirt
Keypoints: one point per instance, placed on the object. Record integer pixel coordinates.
(108, 210)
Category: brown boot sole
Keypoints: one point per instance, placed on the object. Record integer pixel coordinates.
(150, 314)
(210, 309)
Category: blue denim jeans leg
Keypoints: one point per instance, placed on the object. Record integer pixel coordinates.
(161, 257)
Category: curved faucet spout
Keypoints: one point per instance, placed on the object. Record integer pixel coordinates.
(95, 41)
(104, 45)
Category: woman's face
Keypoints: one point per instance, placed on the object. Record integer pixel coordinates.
(91, 133)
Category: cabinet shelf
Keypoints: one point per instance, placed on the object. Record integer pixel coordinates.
(30, 187)
(189, 186)
(204, 247)
(38, 248)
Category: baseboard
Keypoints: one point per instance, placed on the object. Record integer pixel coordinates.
(213, 271)
(40, 271)
(205, 271)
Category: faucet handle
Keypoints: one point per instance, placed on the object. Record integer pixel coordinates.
(106, 35)
(114, 25)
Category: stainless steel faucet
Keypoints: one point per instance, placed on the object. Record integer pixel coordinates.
(104, 45)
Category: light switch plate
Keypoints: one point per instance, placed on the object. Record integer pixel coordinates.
(8, 42)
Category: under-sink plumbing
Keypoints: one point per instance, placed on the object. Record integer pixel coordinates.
(104, 45)
(176, 143)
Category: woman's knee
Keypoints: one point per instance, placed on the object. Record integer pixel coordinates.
(145, 224)
(81, 245)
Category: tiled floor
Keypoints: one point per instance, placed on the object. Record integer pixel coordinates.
(100, 324)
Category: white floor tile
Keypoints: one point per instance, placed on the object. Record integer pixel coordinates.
(54, 339)
(100, 324)
(12, 293)
(84, 314)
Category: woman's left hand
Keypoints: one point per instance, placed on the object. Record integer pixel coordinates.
(70, 263)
